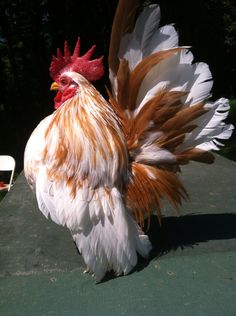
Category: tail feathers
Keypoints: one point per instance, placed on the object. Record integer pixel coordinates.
(148, 187)
(210, 128)
(176, 73)
(146, 37)
(162, 97)
(123, 23)
(215, 127)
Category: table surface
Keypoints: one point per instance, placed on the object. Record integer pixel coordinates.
(191, 271)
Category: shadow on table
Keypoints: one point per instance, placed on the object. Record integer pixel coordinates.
(184, 231)
(187, 231)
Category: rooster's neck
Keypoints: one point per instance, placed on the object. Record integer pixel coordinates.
(85, 135)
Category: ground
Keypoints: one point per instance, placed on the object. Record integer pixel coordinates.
(191, 270)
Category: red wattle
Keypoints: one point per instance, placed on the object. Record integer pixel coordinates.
(57, 100)
(60, 98)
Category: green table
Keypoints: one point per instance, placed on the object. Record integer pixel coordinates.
(192, 270)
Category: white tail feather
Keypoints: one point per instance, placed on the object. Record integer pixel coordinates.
(147, 38)
(147, 25)
(210, 127)
(177, 73)
(133, 46)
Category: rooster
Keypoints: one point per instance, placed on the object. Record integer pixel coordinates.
(100, 167)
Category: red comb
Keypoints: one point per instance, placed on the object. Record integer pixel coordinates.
(90, 69)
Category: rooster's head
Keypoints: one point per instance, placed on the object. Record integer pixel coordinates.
(63, 70)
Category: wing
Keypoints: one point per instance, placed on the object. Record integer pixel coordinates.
(162, 98)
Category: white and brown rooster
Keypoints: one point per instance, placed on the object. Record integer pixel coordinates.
(100, 167)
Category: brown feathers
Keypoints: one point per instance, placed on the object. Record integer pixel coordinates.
(123, 81)
(158, 110)
(129, 82)
(196, 155)
(183, 117)
(123, 23)
(147, 188)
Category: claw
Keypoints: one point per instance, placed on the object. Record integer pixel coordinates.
(86, 271)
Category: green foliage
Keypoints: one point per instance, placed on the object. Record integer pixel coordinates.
(229, 18)
(232, 114)
(146, 3)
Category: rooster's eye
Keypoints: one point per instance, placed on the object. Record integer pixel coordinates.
(64, 81)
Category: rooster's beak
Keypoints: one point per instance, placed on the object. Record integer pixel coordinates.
(54, 86)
